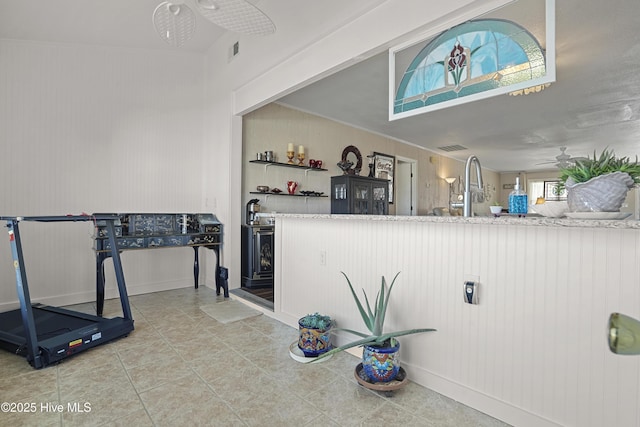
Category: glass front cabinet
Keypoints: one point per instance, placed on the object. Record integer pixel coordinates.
(353, 194)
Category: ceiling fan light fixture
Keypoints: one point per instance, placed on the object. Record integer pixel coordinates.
(528, 90)
(174, 23)
(238, 16)
(208, 4)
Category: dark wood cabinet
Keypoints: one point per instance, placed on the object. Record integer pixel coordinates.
(361, 195)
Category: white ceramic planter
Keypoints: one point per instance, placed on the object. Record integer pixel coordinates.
(604, 193)
(495, 210)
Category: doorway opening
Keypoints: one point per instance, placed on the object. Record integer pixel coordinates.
(405, 186)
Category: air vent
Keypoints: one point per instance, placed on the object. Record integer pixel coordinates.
(449, 148)
(234, 50)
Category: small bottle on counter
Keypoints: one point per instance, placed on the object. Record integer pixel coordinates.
(518, 200)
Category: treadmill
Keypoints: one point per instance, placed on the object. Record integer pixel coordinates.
(44, 334)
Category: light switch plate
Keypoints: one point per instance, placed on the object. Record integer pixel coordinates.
(470, 289)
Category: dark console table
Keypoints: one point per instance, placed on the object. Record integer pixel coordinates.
(136, 231)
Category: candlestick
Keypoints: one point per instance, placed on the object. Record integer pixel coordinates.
(301, 158)
(290, 154)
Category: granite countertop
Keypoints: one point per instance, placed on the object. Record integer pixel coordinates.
(533, 220)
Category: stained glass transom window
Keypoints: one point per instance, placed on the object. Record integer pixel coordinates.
(470, 58)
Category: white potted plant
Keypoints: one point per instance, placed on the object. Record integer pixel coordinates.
(496, 209)
(601, 183)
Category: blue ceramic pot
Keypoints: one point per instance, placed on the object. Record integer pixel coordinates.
(381, 364)
(313, 341)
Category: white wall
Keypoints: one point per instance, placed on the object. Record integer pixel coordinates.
(88, 129)
(532, 353)
(273, 126)
(96, 129)
(323, 38)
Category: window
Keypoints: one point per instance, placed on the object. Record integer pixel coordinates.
(473, 60)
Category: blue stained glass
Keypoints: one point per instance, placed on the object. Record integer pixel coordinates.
(495, 47)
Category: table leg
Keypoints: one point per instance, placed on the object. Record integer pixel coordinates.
(196, 266)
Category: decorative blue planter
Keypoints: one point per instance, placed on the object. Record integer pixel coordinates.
(313, 341)
(381, 364)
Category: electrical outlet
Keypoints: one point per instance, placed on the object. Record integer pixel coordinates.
(323, 257)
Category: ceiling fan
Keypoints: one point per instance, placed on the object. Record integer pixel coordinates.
(176, 22)
(563, 159)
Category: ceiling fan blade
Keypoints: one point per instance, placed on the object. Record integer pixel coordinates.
(175, 23)
(239, 16)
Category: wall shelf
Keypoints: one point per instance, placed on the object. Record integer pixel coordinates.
(287, 165)
(268, 193)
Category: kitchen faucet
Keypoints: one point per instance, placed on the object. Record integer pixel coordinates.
(467, 211)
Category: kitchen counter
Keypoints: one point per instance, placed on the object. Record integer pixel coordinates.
(533, 220)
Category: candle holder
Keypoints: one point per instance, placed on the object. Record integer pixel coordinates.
(300, 159)
(290, 157)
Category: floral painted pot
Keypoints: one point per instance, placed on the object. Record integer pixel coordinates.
(313, 341)
(381, 364)
(604, 193)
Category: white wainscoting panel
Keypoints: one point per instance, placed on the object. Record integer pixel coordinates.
(532, 353)
(96, 129)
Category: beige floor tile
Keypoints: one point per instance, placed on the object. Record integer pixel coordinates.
(278, 409)
(41, 412)
(139, 418)
(388, 415)
(154, 374)
(12, 365)
(212, 413)
(346, 402)
(106, 401)
(137, 354)
(181, 367)
(184, 332)
(89, 360)
(205, 348)
(25, 387)
(239, 385)
(322, 420)
(174, 399)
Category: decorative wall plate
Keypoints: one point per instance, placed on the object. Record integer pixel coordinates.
(345, 158)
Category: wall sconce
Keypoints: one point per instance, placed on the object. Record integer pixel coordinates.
(624, 334)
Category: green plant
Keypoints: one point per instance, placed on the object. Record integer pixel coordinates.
(496, 204)
(374, 318)
(585, 169)
(316, 321)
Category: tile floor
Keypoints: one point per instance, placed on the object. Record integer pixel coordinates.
(181, 367)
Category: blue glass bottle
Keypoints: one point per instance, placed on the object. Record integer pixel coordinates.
(518, 200)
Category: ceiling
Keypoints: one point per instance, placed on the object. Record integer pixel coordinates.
(109, 23)
(594, 103)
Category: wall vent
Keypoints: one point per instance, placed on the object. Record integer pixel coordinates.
(449, 148)
(234, 50)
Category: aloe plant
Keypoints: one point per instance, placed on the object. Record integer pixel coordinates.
(373, 318)
(585, 169)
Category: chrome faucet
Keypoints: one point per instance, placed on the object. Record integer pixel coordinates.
(467, 211)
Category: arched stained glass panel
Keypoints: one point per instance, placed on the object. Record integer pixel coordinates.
(467, 59)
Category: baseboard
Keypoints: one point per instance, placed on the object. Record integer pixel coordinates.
(475, 399)
(90, 295)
